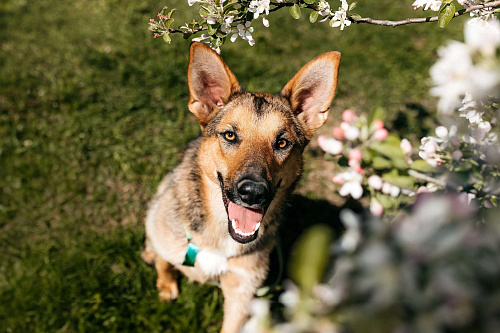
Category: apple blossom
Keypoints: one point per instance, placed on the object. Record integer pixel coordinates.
(377, 124)
(355, 154)
(348, 116)
(375, 182)
(352, 184)
(406, 146)
(376, 208)
(380, 134)
(338, 132)
(330, 145)
(351, 133)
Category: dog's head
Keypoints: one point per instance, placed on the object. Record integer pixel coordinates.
(253, 142)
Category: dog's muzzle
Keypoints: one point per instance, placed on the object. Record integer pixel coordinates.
(246, 206)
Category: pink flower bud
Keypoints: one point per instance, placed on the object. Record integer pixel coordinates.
(377, 124)
(357, 168)
(423, 189)
(160, 16)
(338, 132)
(156, 35)
(376, 208)
(348, 115)
(380, 134)
(355, 154)
(265, 22)
(151, 21)
(406, 146)
(338, 180)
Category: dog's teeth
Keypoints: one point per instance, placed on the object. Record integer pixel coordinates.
(256, 227)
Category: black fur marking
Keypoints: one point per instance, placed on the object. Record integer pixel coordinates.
(259, 102)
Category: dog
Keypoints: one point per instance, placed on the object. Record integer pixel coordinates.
(214, 216)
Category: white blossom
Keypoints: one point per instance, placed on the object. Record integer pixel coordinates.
(340, 16)
(258, 7)
(352, 184)
(426, 4)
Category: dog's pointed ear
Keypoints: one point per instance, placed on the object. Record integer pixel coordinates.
(210, 81)
(311, 91)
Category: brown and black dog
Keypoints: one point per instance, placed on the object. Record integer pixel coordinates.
(221, 206)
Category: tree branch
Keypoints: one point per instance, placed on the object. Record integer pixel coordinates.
(187, 31)
(368, 20)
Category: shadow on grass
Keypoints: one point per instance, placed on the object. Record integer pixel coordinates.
(303, 213)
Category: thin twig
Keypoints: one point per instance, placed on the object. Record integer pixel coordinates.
(428, 179)
(368, 20)
(187, 31)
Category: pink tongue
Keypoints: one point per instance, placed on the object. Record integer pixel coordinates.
(246, 219)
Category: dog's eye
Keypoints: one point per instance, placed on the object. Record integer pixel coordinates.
(282, 143)
(229, 136)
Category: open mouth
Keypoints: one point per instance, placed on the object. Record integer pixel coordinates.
(243, 222)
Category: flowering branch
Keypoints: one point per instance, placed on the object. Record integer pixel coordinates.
(493, 4)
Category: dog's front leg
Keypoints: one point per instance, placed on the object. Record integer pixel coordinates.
(239, 285)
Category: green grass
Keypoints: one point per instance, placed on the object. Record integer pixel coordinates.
(93, 114)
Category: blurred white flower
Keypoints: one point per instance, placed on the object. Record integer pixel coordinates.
(406, 146)
(352, 236)
(352, 184)
(330, 145)
(375, 182)
(451, 75)
(226, 26)
(469, 109)
(259, 309)
(483, 36)
(428, 151)
(351, 132)
(192, 2)
(376, 208)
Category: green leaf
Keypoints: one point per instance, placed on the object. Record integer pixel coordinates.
(378, 113)
(309, 2)
(381, 163)
(353, 5)
(295, 11)
(445, 15)
(394, 178)
(212, 29)
(167, 38)
(387, 149)
(168, 23)
(422, 166)
(355, 16)
(386, 201)
(204, 12)
(313, 16)
(310, 256)
(171, 13)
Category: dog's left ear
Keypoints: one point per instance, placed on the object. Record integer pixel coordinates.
(210, 81)
(311, 91)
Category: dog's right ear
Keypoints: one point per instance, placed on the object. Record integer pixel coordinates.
(210, 81)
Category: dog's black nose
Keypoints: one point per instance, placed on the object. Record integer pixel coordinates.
(253, 193)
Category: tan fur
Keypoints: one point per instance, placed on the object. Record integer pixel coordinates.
(190, 198)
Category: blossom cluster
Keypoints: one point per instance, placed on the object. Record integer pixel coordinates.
(470, 68)
(368, 153)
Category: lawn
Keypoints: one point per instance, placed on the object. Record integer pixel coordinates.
(92, 115)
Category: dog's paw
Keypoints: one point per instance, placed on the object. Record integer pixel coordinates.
(211, 263)
(168, 291)
(148, 255)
